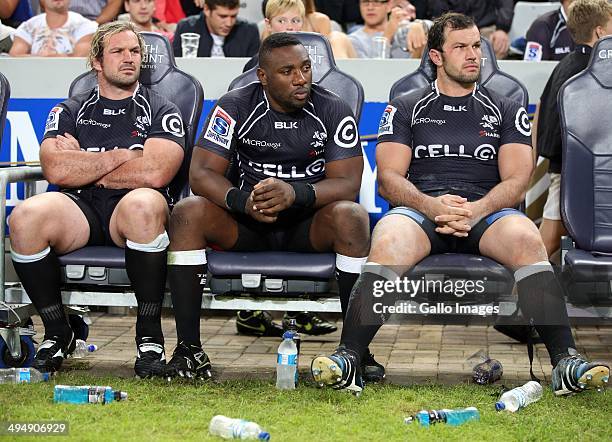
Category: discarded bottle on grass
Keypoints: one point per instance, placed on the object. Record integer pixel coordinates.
(87, 394)
(229, 428)
(22, 376)
(450, 417)
(484, 369)
(286, 363)
(293, 328)
(81, 349)
(519, 397)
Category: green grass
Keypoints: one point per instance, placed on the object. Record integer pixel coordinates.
(156, 410)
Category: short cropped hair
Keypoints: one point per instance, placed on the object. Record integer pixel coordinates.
(108, 30)
(585, 15)
(274, 41)
(452, 20)
(229, 4)
(277, 7)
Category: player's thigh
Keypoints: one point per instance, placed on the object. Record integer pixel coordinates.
(196, 222)
(398, 240)
(514, 241)
(52, 217)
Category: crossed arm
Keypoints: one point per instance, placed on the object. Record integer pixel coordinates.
(453, 214)
(21, 48)
(64, 164)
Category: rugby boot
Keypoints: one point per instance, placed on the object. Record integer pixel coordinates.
(371, 371)
(189, 361)
(52, 352)
(573, 374)
(150, 358)
(257, 323)
(341, 370)
(309, 323)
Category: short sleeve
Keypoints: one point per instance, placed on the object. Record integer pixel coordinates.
(218, 133)
(168, 124)
(59, 122)
(24, 31)
(516, 127)
(84, 27)
(344, 143)
(538, 41)
(395, 124)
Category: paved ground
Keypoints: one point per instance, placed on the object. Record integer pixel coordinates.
(412, 353)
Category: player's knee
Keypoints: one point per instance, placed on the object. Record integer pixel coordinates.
(144, 207)
(189, 213)
(26, 218)
(526, 245)
(349, 213)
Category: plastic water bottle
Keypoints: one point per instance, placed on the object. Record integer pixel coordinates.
(22, 375)
(229, 428)
(286, 363)
(81, 349)
(484, 369)
(293, 328)
(519, 397)
(450, 417)
(87, 394)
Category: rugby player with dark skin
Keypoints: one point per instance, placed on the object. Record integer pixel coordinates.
(337, 224)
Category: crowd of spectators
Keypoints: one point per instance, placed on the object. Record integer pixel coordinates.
(354, 28)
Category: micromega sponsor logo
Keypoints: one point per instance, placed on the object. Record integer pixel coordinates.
(90, 122)
(428, 120)
(260, 143)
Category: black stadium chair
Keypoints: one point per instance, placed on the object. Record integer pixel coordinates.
(586, 187)
(465, 266)
(106, 265)
(5, 94)
(281, 273)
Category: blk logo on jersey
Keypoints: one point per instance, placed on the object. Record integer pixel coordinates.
(220, 128)
(385, 127)
(113, 112)
(346, 134)
(53, 119)
(173, 124)
(449, 108)
(285, 125)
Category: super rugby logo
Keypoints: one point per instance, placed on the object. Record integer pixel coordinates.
(346, 134)
(53, 119)
(220, 128)
(521, 122)
(173, 124)
(385, 127)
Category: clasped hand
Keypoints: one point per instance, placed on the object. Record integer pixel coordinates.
(454, 215)
(268, 198)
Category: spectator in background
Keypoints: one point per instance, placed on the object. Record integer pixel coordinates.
(140, 12)
(101, 11)
(15, 12)
(588, 21)
(383, 18)
(548, 37)
(193, 7)
(6, 38)
(168, 13)
(222, 34)
(57, 32)
(493, 18)
(343, 12)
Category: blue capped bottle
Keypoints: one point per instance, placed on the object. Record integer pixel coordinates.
(450, 417)
(86, 394)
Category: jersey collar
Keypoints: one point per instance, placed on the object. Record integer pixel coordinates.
(434, 87)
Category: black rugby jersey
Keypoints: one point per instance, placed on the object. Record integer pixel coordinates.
(455, 141)
(548, 38)
(100, 124)
(266, 143)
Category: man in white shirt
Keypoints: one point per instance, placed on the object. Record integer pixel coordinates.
(56, 33)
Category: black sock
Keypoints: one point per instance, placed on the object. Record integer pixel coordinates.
(186, 285)
(346, 281)
(541, 301)
(147, 273)
(42, 281)
(362, 322)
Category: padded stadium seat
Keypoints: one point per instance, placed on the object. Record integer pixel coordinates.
(284, 272)
(586, 187)
(5, 94)
(324, 72)
(106, 265)
(465, 266)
